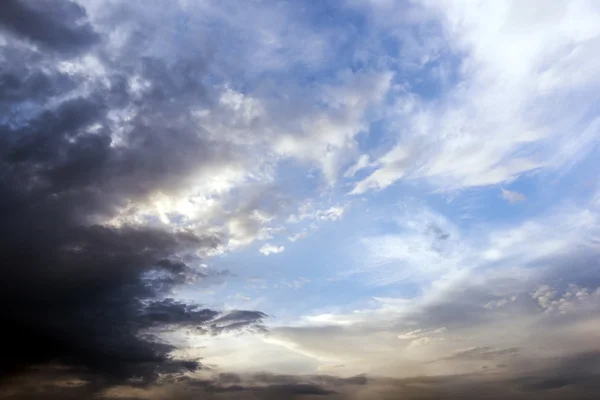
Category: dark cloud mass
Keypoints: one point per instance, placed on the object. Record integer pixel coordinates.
(553, 382)
(74, 289)
(53, 24)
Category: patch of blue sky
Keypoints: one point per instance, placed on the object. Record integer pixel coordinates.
(310, 274)
(434, 78)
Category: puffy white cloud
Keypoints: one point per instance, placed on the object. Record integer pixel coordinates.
(573, 298)
(331, 214)
(268, 249)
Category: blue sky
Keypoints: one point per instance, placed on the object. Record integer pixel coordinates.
(405, 188)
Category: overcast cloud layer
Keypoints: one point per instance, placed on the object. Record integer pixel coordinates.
(294, 199)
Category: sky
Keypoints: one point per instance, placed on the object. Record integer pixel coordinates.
(277, 199)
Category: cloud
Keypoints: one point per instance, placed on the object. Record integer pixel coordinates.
(296, 283)
(512, 197)
(89, 277)
(216, 385)
(554, 382)
(313, 211)
(135, 142)
(426, 245)
(391, 168)
(122, 169)
(573, 298)
(490, 292)
(481, 353)
(331, 214)
(55, 25)
(327, 137)
(267, 249)
(491, 121)
(298, 236)
(363, 162)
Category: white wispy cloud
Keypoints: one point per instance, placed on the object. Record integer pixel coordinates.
(513, 108)
(426, 245)
(298, 236)
(512, 197)
(494, 298)
(327, 137)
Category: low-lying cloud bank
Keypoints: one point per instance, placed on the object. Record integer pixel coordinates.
(574, 377)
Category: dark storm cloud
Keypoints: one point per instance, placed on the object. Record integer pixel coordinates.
(22, 79)
(552, 381)
(55, 24)
(73, 289)
(235, 320)
(49, 384)
(283, 390)
(170, 311)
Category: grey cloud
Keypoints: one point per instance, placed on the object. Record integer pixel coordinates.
(75, 290)
(518, 335)
(51, 384)
(55, 24)
(23, 79)
(169, 311)
(579, 364)
(463, 305)
(238, 316)
(322, 380)
(273, 391)
(481, 353)
(551, 381)
(236, 320)
(300, 389)
(533, 384)
(438, 232)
